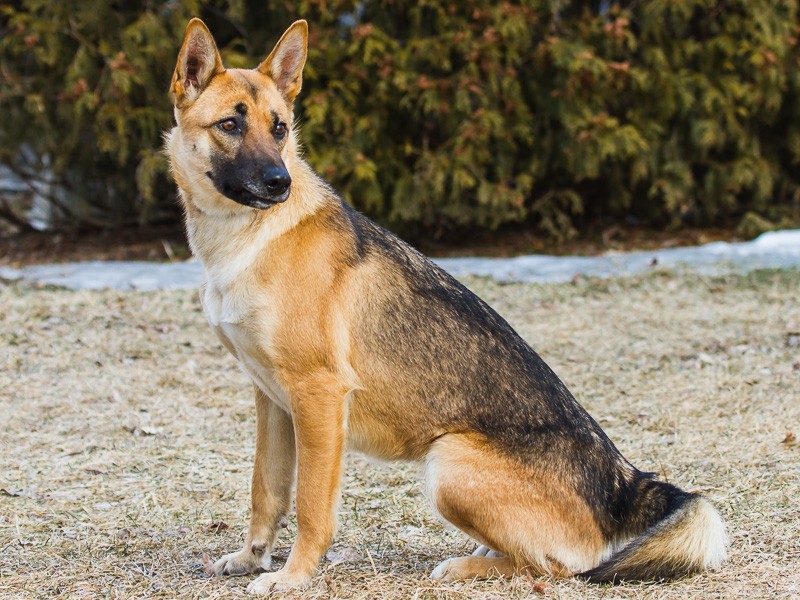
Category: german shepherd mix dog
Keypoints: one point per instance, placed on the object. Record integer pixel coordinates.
(354, 339)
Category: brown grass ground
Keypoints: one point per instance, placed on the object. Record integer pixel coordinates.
(127, 435)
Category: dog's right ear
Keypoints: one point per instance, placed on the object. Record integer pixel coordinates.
(198, 62)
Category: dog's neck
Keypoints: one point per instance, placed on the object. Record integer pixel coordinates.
(230, 242)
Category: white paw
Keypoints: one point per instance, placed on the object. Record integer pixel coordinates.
(279, 581)
(486, 552)
(441, 572)
(243, 562)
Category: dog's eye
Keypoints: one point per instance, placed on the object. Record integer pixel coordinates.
(280, 130)
(228, 125)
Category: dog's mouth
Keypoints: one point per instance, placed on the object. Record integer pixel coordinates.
(248, 198)
(241, 195)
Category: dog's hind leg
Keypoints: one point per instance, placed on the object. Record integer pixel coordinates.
(529, 522)
(273, 476)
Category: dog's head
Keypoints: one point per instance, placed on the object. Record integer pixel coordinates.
(234, 141)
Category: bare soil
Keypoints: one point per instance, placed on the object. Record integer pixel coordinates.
(168, 243)
(128, 435)
(162, 243)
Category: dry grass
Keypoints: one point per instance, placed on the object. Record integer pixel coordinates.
(128, 432)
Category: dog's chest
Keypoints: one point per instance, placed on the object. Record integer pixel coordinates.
(246, 335)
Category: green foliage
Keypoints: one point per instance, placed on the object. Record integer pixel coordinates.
(430, 115)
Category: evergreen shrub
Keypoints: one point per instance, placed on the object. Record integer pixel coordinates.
(434, 115)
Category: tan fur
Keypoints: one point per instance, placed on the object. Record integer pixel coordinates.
(487, 496)
(474, 567)
(293, 297)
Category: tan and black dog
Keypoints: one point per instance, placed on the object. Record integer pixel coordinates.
(354, 339)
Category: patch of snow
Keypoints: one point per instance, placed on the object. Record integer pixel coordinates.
(119, 275)
(773, 250)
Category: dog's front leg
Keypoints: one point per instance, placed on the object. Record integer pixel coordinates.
(273, 475)
(318, 412)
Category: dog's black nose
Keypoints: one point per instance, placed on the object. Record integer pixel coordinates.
(276, 179)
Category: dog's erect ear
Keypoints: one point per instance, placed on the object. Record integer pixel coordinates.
(285, 63)
(198, 62)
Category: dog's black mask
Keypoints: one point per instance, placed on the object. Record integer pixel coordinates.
(253, 183)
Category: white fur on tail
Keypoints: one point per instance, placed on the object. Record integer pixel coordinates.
(704, 542)
(689, 540)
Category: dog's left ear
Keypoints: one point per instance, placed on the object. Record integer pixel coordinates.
(285, 63)
(198, 62)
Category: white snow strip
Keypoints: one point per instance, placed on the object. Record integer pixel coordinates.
(773, 250)
(120, 275)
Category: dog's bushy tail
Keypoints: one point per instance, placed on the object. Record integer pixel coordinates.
(688, 537)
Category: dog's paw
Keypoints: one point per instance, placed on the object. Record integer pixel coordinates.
(486, 552)
(442, 572)
(243, 562)
(279, 581)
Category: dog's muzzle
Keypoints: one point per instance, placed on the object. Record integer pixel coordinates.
(272, 188)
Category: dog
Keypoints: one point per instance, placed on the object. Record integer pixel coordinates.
(353, 339)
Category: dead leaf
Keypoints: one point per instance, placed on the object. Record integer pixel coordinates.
(540, 587)
(790, 438)
(330, 584)
(217, 526)
(141, 431)
(342, 555)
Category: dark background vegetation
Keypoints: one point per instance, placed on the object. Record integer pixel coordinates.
(436, 118)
